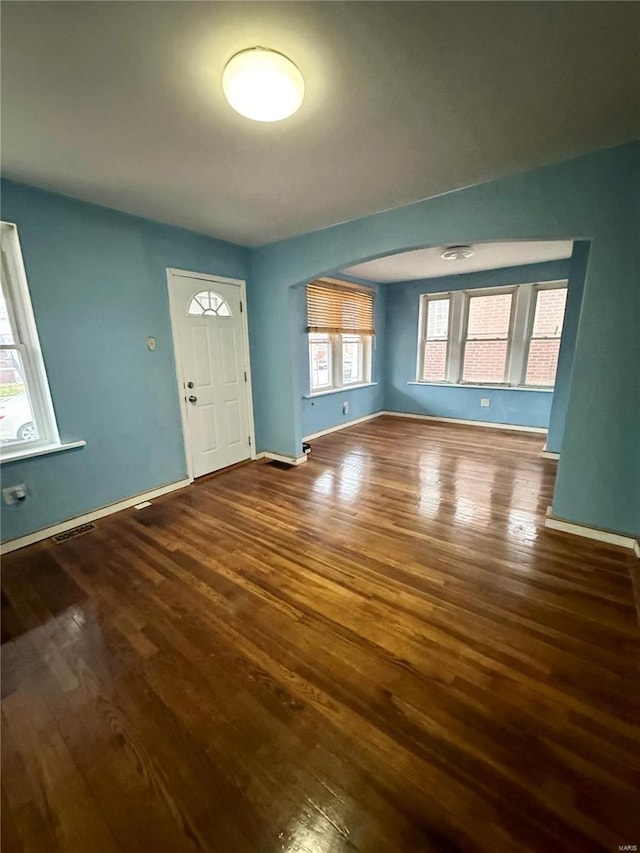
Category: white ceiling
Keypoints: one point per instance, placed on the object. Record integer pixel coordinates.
(120, 103)
(428, 263)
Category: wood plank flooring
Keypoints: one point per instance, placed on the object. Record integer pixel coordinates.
(380, 650)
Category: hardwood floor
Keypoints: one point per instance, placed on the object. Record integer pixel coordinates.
(380, 650)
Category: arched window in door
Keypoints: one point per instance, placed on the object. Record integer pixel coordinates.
(210, 304)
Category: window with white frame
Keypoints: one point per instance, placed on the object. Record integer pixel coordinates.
(26, 411)
(436, 339)
(544, 341)
(340, 325)
(496, 336)
(487, 337)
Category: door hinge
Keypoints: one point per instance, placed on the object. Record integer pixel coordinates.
(241, 308)
(249, 441)
(245, 376)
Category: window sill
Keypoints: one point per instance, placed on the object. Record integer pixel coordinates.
(484, 387)
(338, 390)
(29, 453)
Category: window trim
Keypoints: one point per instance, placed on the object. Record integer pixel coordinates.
(337, 384)
(27, 451)
(366, 361)
(489, 291)
(519, 340)
(311, 396)
(28, 343)
(319, 389)
(337, 332)
(425, 299)
(537, 288)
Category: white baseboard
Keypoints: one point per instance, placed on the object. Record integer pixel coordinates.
(410, 416)
(47, 532)
(489, 424)
(563, 526)
(278, 457)
(549, 454)
(343, 426)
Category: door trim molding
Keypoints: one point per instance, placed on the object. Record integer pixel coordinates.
(177, 355)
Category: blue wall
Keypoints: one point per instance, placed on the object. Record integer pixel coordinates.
(97, 279)
(592, 198)
(98, 286)
(508, 406)
(575, 292)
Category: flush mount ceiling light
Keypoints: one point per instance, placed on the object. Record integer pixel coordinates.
(457, 253)
(262, 84)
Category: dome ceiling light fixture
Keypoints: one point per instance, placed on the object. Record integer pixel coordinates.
(457, 253)
(262, 84)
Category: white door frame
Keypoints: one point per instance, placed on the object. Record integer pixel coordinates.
(174, 312)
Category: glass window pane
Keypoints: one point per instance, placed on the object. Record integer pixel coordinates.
(352, 359)
(6, 333)
(437, 318)
(320, 359)
(17, 423)
(542, 362)
(489, 316)
(210, 304)
(435, 361)
(549, 314)
(484, 361)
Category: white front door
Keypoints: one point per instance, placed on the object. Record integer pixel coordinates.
(209, 329)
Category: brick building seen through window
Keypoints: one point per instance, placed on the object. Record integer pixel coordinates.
(489, 334)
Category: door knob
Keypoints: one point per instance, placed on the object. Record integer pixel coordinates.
(189, 384)
(193, 399)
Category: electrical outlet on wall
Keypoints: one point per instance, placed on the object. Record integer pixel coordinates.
(15, 494)
(485, 402)
(345, 407)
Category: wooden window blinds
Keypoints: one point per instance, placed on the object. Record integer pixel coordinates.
(335, 308)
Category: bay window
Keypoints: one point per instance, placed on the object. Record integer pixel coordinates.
(495, 336)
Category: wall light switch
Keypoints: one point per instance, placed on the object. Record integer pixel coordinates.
(485, 402)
